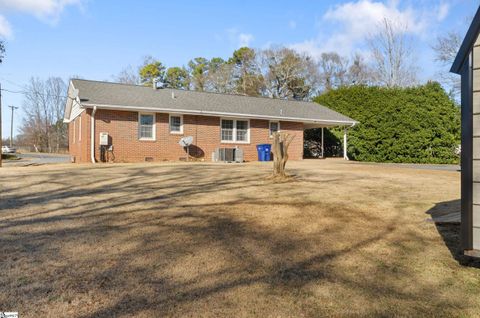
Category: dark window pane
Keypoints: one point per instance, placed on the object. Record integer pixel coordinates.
(146, 119)
(175, 123)
(242, 124)
(227, 124)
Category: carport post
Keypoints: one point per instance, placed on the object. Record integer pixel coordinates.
(345, 156)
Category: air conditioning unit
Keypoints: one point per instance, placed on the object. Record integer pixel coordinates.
(228, 155)
(239, 155)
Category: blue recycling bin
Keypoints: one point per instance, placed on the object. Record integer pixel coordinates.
(268, 151)
(263, 151)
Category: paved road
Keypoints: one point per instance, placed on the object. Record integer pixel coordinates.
(27, 159)
(445, 167)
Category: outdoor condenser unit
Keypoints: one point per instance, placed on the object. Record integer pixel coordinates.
(229, 154)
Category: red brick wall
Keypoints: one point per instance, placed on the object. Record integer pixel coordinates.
(78, 147)
(122, 127)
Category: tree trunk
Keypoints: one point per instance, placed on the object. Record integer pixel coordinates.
(281, 142)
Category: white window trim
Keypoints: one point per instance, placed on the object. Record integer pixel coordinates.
(74, 128)
(181, 124)
(79, 129)
(154, 128)
(234, 141)
(269, 127)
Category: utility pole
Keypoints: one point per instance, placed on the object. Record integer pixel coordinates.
(11, 125)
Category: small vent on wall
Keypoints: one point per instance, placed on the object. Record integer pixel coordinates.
(148, 159)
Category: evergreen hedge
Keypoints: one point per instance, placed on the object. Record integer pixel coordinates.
(411, 125)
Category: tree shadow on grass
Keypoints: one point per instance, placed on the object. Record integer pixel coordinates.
(157, 246)
(446, 216)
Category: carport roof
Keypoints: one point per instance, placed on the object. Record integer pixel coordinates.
(134, 97)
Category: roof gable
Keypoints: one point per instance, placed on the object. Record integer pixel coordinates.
(467, 43)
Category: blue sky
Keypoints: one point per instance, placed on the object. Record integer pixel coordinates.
(95, 39)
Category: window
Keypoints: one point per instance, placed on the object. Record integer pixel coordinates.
(274, 127)
(176, 124)
(74, 128)
(146, 126)
(242, 130)
(233, 130)
(227, 130)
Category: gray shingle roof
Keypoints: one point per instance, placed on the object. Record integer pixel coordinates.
(142, 97)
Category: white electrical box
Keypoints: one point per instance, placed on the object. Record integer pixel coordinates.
(103, 139)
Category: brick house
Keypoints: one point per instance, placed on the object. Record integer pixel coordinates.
(146, 123)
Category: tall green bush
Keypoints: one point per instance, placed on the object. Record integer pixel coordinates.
(412, 125)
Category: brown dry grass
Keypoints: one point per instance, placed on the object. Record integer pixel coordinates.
(151, 240)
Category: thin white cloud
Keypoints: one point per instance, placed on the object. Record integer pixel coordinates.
(48, 11)
(43, 9)
(356, 20)
(5, 29)
(239, 39)
(244, 39)
(443, 11)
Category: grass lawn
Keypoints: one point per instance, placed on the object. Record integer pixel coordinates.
(156, 240)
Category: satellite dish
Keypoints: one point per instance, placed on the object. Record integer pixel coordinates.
(186, 141)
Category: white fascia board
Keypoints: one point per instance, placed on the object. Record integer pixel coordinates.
(223, 114)
(67, 120)
(68, 106)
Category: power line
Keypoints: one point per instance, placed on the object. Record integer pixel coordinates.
(34, 93)
(24, 92)
(11, 82)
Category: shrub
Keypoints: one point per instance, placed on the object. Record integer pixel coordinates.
(7, 156)
(412, 125)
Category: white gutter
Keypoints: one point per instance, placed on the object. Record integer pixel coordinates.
(92, 133)
(223, 114)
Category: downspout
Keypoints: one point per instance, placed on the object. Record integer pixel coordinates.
(92, 135)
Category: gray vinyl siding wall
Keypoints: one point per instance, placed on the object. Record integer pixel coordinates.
(476, 146)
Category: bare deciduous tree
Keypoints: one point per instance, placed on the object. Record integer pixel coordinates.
(129, 75)
(359, 72)
(392, 55)
(281, 142)
(220, 79)
(333, 70)
(446, 49)
(2, 51)
(43, 125)
(289, 74)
